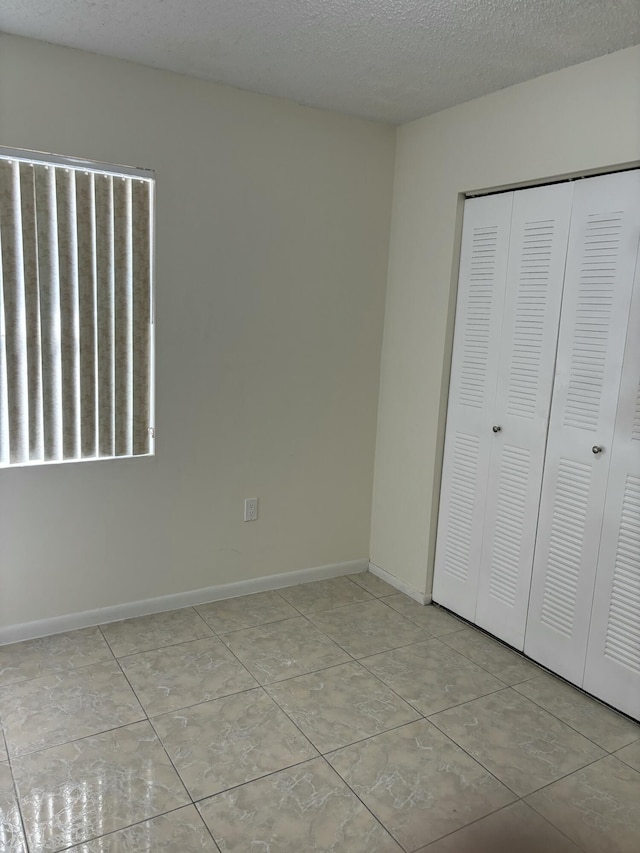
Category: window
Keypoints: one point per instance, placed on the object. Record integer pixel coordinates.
(76, 310)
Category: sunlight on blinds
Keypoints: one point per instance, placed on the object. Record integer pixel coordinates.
(76, 343)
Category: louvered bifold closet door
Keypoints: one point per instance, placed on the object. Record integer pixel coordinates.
(481, 284)
(537, 254)
(601, 260)
(613, 652)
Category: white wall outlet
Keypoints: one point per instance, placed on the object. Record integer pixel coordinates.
(250, 509)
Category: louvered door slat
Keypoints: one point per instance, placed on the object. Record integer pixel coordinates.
(612, 669)
(603, 245)
(540, 227)
(483, 267)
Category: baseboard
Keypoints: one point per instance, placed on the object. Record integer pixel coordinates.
(89, 618)
(401, 586)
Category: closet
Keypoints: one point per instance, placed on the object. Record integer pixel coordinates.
(539, 524)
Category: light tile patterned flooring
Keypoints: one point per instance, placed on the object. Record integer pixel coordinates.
(334, 716)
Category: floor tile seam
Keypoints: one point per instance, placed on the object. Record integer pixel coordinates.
(407, 645)
(172, 763)
(370, 737)
(221, 634)
(202, 619)
(359, 740)
(295, 724)
(307, 615)
(582, 692)
(463, 625)
(572, 727)
(246, 668)
(14, 684)
(497, 811)
(461, 704)
(239, 598)
(544, 817)
(124, 675)
(475, 760)
(185, 708)
(361, 661)
(236, 660)
(542, 670)
(482, 666)
(197, 801)
(364, 805)
(104, 637)
(267, 684)
(320, 669)
(384, 651)
(388, 686)
(14, 786)
(308, 583)
(467, 825)
(335, 606)
(529, 793)
(211, 635)
(626, 763)
(138, 823)
(394, 591)
(360, 603)
(22, 755)
(402, 645)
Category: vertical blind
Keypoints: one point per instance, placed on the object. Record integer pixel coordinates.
(76, 347)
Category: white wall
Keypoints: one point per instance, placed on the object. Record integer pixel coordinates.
(585, 118)
(272, 237)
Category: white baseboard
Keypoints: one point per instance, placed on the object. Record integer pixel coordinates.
(89, 618)
(401, 586)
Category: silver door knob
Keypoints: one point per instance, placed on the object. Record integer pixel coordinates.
(496, 428)
(597, 448)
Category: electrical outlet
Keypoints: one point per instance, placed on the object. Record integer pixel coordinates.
(250, 509)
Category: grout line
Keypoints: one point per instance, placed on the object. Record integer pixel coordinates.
(207, 639)
(297, 615)
(335, 749)
(362, 802)
(14, 786)
(473, 757)
(565, 723)
(55, 672)
(565, 776)
(200, 800)
(480, 762)
(159, 739)
(22, 755)
(209, 636)
(362, 661)
(462, 627)
(185, 708)
(190, 805)
(264, 687)
(171, 761)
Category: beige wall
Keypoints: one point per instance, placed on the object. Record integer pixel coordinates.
(272, 235)
(585, 118)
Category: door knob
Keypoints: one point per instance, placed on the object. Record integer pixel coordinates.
(498, 428)
(597, 448)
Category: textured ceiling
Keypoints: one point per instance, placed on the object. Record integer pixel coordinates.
(391, 60)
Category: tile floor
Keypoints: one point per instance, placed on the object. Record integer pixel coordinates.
(334, 716)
